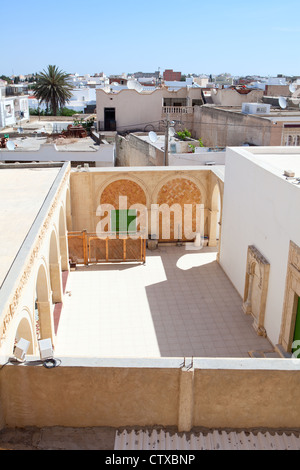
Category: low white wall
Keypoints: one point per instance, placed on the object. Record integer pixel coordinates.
(51, 153)
(177, 159)
(259, 208)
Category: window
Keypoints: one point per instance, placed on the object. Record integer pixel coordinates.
(123, 221)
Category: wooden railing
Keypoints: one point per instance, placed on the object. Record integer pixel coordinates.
(86, 248)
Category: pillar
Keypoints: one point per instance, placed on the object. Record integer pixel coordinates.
(64, 253)
(46, 320)
(56, 282)
(186, 399)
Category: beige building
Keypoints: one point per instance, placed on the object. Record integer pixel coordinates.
(144, 334)
(130, 110)
(223, 126)
(235, 96)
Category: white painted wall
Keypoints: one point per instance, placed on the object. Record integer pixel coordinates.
(104, 156)
(260, 208)
(177, 159)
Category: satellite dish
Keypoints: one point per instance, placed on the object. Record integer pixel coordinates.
(139, 87)
(282, 102)
(171, 132)
(135, 85)
(292, 88)
(10, 145)
(131, 84)
(152, 136)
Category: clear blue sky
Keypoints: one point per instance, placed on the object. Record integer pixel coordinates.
(193, 36)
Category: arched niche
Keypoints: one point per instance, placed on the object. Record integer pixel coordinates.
(179, 202)
(123, 194)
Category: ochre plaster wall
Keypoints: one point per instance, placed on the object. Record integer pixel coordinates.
(89, 189)
(216, 397)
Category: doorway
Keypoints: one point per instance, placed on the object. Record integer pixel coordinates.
(109, 119)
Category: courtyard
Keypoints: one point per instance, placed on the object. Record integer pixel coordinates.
(179, 304)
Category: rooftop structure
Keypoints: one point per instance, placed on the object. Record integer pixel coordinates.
(225, 126)
(184, 327)
(48, 141)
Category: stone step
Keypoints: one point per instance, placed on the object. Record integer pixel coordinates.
(282, 352)
(265, 354)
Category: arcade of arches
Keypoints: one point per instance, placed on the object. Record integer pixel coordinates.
(34, 312)
(33, 306)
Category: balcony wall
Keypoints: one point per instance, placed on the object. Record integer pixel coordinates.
(214, 393)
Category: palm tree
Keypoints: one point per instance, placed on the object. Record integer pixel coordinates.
(53, 88)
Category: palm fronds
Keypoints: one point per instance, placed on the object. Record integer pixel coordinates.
(53, 87)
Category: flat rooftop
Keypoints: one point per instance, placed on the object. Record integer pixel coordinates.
(179, 304)
(34, 143)
(275, 159)
(22, 194)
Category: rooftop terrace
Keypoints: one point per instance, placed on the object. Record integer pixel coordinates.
(180, 303)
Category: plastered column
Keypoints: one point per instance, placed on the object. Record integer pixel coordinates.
(186, 399)
(46, 320)
(56, 282)
(64, 253)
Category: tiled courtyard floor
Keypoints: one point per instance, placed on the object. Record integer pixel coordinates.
(180, 303)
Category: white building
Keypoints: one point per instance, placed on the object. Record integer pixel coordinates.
(13, 110)
(260, 236)
(82, 97)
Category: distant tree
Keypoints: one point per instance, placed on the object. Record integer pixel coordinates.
(53, 88)
(6, 79)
